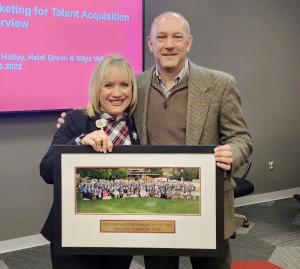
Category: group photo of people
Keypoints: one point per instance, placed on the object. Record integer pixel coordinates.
(145, 185)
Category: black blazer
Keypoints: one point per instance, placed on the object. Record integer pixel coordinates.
(76, 123)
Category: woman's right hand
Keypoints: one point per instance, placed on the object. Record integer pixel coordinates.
(98, 140)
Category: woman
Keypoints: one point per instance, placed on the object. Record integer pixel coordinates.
(107, 122)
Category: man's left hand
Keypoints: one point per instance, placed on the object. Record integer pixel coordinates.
(224, 157)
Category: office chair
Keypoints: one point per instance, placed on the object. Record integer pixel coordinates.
(297, 197)
(243, 187)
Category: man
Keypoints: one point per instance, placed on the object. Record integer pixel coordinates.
(182, 103)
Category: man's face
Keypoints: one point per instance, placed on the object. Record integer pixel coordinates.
(169, 42)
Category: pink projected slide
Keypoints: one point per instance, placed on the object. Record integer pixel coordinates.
(49, 49)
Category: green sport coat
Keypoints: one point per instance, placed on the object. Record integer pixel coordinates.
(214, 116)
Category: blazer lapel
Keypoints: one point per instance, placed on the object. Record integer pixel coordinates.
(198, 104)
(140, 115)
(132, 131)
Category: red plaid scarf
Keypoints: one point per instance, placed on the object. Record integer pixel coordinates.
(116, 129)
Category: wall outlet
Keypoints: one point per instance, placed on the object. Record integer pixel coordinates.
(271, 165)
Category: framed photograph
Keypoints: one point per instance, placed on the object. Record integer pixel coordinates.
(138, 200)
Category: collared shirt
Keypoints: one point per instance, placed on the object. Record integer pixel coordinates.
(176, 80)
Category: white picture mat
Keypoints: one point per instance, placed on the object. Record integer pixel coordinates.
(192, 232)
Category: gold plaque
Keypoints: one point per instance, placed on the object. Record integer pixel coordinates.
(137, 226)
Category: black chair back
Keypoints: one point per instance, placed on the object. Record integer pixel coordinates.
(243, 185)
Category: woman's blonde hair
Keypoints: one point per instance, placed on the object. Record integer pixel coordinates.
(93, 106)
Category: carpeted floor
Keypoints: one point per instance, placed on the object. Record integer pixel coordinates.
(273, 235)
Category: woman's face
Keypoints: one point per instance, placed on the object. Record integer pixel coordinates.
(116, 91)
